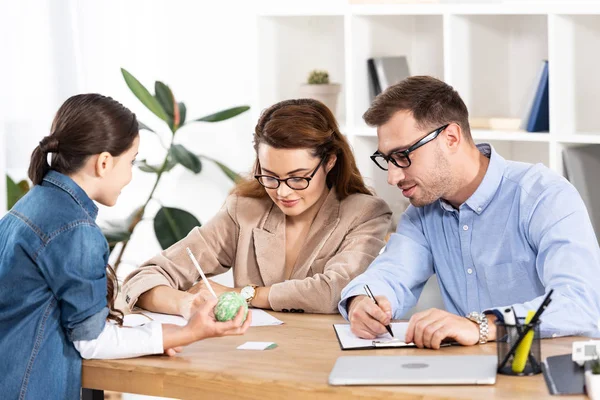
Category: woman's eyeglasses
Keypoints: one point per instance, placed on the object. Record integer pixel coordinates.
(295, 183)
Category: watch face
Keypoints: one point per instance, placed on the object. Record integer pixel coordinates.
(246, 292)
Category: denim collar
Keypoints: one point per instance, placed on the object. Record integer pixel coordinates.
(488, 186)
(77, 193)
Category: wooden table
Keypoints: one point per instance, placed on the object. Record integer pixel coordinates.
(297, 369)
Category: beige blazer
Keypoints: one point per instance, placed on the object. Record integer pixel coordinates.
(248, 235)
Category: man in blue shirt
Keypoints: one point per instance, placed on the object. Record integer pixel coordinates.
(496, 233)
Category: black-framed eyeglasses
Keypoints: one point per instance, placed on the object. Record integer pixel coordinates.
(294, 182)
(400, 158)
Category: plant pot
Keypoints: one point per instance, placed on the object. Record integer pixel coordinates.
(592, 385)
(327, 94)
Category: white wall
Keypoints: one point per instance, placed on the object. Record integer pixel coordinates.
(202, 50)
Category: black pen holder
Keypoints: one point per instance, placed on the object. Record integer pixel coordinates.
(526, 360)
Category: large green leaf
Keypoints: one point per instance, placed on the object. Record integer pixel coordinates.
(172, 224)
(186, 158)
(144, 95)
(182, 112)
(228, 171)
(225, 114)
(144, 166)
(164, 97)
(14, 191)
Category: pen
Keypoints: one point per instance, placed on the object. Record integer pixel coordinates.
(528, 327)
(370, 294)
(201, 273)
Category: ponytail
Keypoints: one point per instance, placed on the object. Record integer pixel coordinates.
(85, 125)
(39, 166)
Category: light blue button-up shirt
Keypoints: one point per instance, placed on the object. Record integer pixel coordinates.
(524, 231)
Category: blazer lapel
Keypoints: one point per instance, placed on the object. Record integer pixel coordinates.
(321, 229)
(269, 247)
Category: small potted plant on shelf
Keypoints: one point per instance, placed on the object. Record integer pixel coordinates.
(319, 88)
(592, 380)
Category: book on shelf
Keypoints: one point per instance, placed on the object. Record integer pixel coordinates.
(496, 123)
(384, 72)
(536, 116)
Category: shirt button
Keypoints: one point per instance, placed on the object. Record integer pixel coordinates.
(469, 271)
(465, 227)
(479, 209)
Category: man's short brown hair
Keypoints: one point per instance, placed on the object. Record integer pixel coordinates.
(431, 102)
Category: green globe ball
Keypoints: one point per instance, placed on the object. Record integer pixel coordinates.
(228, 306)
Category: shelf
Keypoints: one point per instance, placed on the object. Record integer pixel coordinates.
(501, 82)
(574, 82)
(526, 151)
(490, 53)
(584, 138)
(478, 134)
(473, 7)
(516, 136)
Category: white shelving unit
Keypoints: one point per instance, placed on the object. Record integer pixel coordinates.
(490, 52)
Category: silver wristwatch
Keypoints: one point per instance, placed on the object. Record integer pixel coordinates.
(481, 320)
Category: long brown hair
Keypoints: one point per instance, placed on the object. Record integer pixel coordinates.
(305, 124)
(86, 124)
(112, 288)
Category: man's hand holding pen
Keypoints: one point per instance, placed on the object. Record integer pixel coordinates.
(426, 329)
(367, 319)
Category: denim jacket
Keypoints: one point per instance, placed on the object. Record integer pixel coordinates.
(52, 289)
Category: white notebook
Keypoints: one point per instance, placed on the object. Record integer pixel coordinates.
(349, 341)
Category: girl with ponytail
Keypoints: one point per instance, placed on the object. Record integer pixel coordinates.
(57, 302)
(295, 233)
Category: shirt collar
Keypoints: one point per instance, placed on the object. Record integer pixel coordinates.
(77, 193)
(488, 186)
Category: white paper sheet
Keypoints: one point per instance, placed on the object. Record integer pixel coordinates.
(257, 346)
(259, 318)
(349, 340)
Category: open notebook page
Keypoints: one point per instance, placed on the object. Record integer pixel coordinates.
(349, 340)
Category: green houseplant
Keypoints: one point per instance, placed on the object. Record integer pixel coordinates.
(319, 87)
(14, 191)
(170, 224)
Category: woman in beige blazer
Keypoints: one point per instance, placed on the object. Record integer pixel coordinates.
(294, 236)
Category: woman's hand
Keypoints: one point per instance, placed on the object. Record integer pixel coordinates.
(201, 325)
(201, 289)
(198, 294)
(189, 304)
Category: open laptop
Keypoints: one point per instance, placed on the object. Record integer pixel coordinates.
(411, 370)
